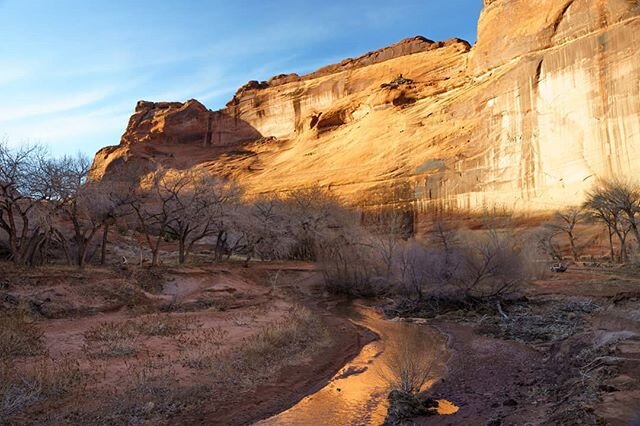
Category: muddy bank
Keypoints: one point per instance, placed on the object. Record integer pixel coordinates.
(568, 353)
(292, 383)
(358, 395)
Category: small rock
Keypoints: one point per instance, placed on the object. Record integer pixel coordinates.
(403, 406)
(510, 403)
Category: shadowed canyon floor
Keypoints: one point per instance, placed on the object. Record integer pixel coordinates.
(567, 352)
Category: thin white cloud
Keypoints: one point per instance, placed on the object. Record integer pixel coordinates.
(13, 72)
(52, 106)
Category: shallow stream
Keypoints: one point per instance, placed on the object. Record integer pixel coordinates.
(357, 395)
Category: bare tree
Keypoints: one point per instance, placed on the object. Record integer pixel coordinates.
(490, 266)
(154, 206)
(199, 208)
(23, 200)
(262, 230)
(625, 196)
(82, 204)
(311, 213)
(546, 243)
(611, 203)
(565, 222)
(387, 239)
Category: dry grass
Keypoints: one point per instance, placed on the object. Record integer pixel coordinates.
(111, 340)
(122, 339)
(165, 325)
(19, 336)
(151, 394)
(20, 388)
(276, 344)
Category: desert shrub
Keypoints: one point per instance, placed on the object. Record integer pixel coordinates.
(111, 340)
(126, 294)
(49, 378)
(19, 336)
(489, 265)
(202, 347)
(151, 395)
(274, 345)
(406, 366)
(421, 271)
(353, 267)
(164, 325)
(149, 279)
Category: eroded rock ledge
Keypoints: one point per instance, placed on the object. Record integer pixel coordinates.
(546, 102)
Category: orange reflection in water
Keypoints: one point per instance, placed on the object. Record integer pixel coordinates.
(446, 408)
(358, 394)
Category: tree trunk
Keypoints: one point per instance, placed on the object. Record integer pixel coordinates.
(181, 251)
(636, 232)
(103, 248)
(82, 249)
(221, 242)
(623, 247)
(574, 250)
(611, 251)
(154, 257)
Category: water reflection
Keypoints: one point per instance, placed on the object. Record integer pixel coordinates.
(446, 408)
(357, 395)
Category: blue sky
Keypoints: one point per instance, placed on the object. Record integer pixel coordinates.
(71, 71)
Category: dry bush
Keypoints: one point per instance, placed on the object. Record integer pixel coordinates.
(421, 270)
(490, 265)
(353, 267)
(151, 395)
(19, 336)
(149, 279)
(165, 325)
(47, 379)
(254, 361)
(202, 347)
(111, 340)
(406, 367)
(126, 295)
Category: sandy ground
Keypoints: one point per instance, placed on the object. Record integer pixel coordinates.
(229, 302)
(498, 372)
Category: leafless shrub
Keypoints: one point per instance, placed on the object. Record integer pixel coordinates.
(406, 367)
(152, 393)
(491, 265)
(111, 340)
(547, 244)
(49, 378)
(616, 204)
(19, 336)
(565, 222)
(149, 279)
(164, 325)
(201, 347)
(422, 271)
(352, 267)
(253, 362)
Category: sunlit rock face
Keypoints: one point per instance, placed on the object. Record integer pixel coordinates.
(547, 101)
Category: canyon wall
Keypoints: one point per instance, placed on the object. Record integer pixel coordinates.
(545, 103)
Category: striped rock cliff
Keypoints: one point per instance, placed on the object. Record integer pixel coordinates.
(546, 102)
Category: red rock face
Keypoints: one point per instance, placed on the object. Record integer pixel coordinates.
(546, 102)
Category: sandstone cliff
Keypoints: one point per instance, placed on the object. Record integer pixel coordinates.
(547, 101)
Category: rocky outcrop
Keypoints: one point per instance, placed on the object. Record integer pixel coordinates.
(546, 102)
